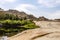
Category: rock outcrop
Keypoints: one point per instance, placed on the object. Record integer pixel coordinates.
(43, 33)
(38, 34)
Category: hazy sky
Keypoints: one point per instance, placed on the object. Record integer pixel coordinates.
(47, 8)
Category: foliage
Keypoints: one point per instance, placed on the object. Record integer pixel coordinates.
(11, 26)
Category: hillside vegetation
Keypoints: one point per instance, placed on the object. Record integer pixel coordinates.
(11, 24)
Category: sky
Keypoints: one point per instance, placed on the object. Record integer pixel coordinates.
(48, 8)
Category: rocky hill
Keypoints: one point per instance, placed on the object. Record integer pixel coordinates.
(22, 15)
(43, 18)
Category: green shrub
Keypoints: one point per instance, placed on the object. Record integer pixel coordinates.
(30, 26)
(11, 26)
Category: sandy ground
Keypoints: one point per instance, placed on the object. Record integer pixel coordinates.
(47, 31)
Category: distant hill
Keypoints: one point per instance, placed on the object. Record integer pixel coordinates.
(57, 20)
(32, 17)
(21, 15)
(1, 9)
(43, 19)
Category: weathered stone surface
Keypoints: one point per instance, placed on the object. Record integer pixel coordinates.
(44, 33)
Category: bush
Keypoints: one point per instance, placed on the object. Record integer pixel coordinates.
(30, 26)
(11, 26)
